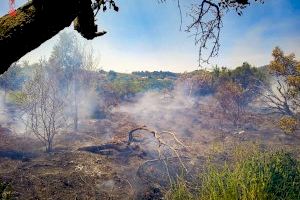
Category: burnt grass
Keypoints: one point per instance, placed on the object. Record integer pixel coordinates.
(97, 163)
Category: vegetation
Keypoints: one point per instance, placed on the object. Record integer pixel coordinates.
(70, 63)
(288, 124)
(67, 103)
(249, 78)
(155, 74)
(198, 82)
(234, 89)
(284, 96)
(119, 87)
(43, 107)
(230, 97)
(12, 80)
(5, 191)
(250, 174)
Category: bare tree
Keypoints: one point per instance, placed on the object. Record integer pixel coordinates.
(43, 107)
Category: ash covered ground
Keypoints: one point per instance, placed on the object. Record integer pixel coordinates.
(99, 162)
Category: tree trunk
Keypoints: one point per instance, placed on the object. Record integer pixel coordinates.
(38, 21)
(75, 114)
(5, 93)
(75, 103)
(49, 144)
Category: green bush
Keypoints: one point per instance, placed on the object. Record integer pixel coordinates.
(252, 175)
(284, 177)
(5, 191)
(16, 97)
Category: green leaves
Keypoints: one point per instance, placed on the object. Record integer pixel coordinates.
(5, 191)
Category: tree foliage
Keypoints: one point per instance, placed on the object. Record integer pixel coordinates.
(288, 124)
(12, 79)
(249, 78)
(283, 96)
(72, 63)
(199, 82)
(230, 97)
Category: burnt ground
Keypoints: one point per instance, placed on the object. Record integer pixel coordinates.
(97, 163)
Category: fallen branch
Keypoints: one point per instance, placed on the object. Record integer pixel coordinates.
(161, 142)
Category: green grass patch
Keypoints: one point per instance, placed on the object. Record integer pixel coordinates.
(250, 174)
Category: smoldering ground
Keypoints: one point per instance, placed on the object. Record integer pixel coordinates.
(161, 111)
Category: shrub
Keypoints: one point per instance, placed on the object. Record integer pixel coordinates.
(250, 175)
(288, 124)
(261, 176)
(5, 191)
(230, 99)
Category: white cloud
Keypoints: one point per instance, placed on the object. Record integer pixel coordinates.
(257, 44)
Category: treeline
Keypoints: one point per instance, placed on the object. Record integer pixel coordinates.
(205, 82)
(198, 82)
(124, 86)
(156, 74)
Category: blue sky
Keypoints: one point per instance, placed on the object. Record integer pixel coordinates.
(145, 35)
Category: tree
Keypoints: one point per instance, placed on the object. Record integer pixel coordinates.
(43, 106)
(35, 23)
(198, 82)
(283, 95)
(249, 78)
(12, 79)
(230, 99)
(73, 63)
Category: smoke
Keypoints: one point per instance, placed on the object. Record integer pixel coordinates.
(161, 111)
(87, 103)
(9, 116)
(3, 110)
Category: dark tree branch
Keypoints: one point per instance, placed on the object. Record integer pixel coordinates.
(207, 23)
(39, 20)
